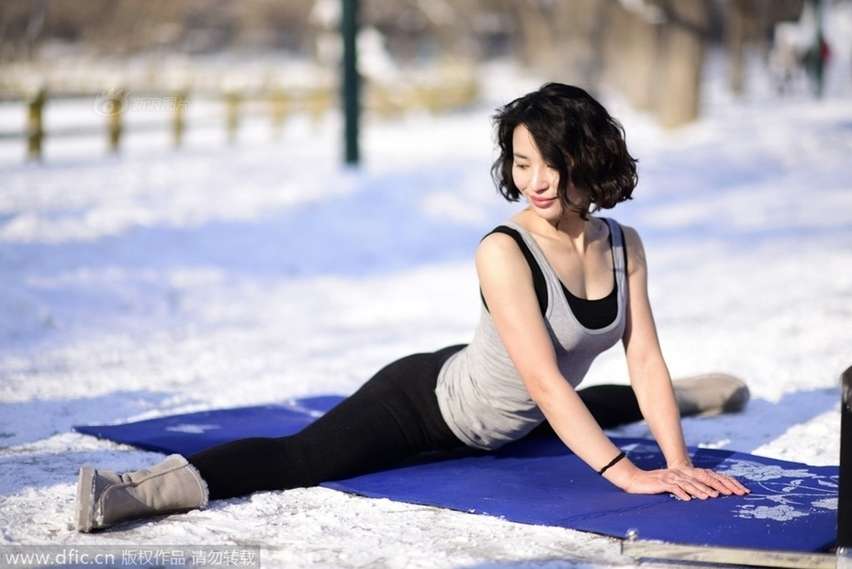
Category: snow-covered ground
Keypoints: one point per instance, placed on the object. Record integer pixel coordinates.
(162, 282)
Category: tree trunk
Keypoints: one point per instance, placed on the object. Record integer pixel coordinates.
(632, 55)
(536, 33)
(735, 36)
(682, 60)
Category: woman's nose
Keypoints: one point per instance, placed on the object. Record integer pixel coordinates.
(540, 180)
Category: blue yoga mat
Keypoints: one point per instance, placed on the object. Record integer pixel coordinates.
(792, 506)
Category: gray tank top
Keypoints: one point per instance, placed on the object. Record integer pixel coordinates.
(480, 392)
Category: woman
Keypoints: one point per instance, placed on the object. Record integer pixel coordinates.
(558, 287)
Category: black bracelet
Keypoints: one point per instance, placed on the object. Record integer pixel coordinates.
(613, 461)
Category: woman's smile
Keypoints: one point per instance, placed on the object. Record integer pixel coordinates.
(539, 202)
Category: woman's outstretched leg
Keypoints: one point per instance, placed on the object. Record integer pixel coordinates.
(105, 497)
(611, 405)
(706, 394)
(392, 417)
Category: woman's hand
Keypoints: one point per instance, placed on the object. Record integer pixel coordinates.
(685, 482)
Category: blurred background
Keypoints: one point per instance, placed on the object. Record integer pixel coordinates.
(240, 61)
(202, 205)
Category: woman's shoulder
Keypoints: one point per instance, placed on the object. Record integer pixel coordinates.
(634, 247)
(498, 247)
(505, 236)
(501, 251)
(625, 229)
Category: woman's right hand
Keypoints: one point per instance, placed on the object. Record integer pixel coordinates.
(684, 482)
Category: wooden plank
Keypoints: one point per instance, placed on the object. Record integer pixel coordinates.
(639, 549)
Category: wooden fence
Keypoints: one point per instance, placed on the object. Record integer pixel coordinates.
(275, 104)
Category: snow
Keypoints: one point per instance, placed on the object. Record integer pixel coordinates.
(166, 281)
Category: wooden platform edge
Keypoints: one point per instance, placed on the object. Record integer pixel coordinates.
(642, 549)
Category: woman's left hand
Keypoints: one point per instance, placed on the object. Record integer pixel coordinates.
(721, 483)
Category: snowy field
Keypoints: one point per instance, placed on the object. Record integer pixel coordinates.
(163, 282)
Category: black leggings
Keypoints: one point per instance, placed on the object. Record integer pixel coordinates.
(392, 418)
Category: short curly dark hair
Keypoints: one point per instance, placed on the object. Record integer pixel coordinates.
(575, 135)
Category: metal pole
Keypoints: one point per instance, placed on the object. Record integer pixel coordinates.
(351, 106)
(820, 38)
(844, 505)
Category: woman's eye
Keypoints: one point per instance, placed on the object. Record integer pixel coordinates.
(521, 166)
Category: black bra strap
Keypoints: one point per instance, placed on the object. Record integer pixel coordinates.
(623, 246)
(538, 277)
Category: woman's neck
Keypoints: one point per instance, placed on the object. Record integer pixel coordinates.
(568, 227)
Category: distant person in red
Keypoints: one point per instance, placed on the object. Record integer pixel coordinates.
(815, 61)
(558, 287)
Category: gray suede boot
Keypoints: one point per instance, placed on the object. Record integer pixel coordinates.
(710, 394)
(105, 497)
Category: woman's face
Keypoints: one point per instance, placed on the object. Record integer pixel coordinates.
(536, 179)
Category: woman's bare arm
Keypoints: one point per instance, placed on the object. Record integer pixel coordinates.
(652, 383)
(506, 282)
(649, 374)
